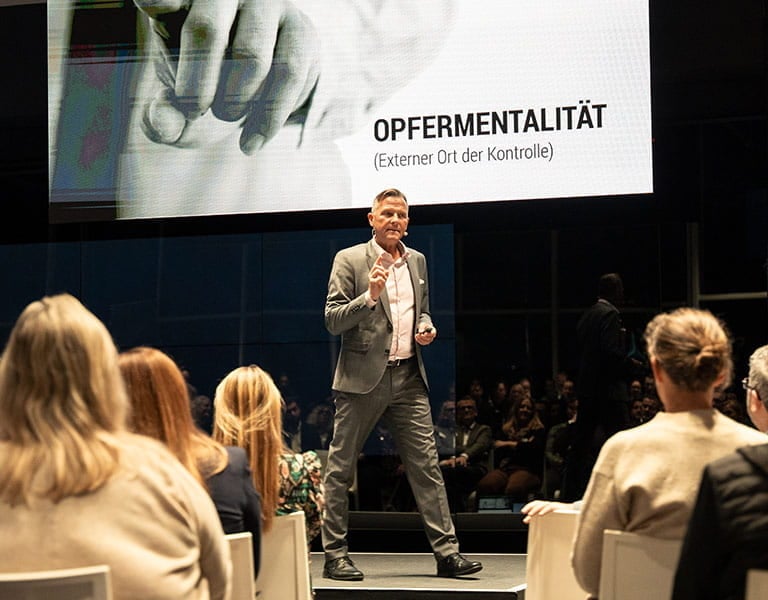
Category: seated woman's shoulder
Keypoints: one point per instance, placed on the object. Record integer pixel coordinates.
(135, 444)
(152, 461)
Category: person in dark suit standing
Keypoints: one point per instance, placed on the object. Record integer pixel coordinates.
(378, 302)
(601, 384)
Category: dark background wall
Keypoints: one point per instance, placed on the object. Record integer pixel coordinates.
(520, 272)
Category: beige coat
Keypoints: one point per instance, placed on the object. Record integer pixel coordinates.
(153, 524)
(646, 480)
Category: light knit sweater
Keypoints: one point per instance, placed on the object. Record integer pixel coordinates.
(152, 523)
(646, 480)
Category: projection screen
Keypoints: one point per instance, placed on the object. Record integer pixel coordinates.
(176, 109)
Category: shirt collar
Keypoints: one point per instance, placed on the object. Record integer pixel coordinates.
(404, 253)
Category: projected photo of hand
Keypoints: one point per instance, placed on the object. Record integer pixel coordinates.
(238, 104)
(250, 61)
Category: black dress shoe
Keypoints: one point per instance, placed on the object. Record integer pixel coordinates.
(456, 565)
(342, 569)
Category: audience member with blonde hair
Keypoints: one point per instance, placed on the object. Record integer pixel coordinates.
(518, 453)
(76, 487)
(646, 478)
(248, 414)
(159, 395)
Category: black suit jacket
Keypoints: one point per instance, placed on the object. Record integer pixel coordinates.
(600, 385)
(237, 501)
(478, 444)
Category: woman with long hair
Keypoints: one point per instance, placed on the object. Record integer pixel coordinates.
(76, 487)
(248, 411)
(158, 392)
(646, 478)
(518, 454)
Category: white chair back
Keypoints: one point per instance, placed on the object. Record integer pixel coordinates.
(284, 568)
(243, 576)
(85, 583)
(637, 567)
(548, 571)
(757, 585)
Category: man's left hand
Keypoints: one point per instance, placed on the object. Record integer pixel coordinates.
(424, 337)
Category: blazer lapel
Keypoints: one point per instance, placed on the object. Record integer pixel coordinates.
(372, 255)
(416, 284)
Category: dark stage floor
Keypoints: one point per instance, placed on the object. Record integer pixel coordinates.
(406, 576)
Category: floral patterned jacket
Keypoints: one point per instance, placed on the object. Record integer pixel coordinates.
(301, 488)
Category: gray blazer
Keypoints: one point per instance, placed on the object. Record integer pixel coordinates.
(366, 334)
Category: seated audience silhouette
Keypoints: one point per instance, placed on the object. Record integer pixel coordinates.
(636, 413)
(445, 429)
(728, 531)
(556, 449)
(519, 455)
(321, 418)
(160, 409)
(493, 408)
(200, 405)
(248, 413)
(469, 462)
(76, 487)
(298, 435)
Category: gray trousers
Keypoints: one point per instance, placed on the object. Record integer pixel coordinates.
(400, 400)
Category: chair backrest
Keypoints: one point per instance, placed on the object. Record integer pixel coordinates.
(548, 571)
(243, 576)
(635, 567)
(284, 569)
(85, 583)
(757, 585)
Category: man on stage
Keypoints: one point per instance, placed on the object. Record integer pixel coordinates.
(378, 301)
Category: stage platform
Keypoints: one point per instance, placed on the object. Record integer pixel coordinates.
(412, 576)
(500, 532)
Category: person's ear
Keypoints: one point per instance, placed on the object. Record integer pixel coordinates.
(755, 405)
(658, 372)
(720, 380)
(757, 411)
